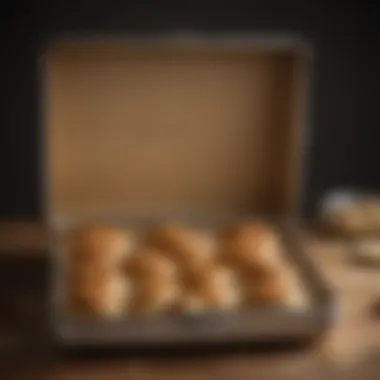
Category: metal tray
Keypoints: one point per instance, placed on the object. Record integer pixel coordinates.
(256, 325)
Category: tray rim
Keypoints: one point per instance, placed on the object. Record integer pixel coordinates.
(267, 324)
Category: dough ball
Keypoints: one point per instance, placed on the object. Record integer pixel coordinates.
(96, 291)
(156, 281)
(269, 291)
(107, 246)
(251, 246)
(193, 251)
(222, 288)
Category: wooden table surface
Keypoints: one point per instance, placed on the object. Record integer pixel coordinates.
(351, 350)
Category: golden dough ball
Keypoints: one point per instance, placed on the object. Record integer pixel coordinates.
(96, 291)
(150, 299)
(253, 245)
(183, 243)
(107, 246)
(152, 264)
(269, 291)
(222, 288)
(156, 281)
(193, 251)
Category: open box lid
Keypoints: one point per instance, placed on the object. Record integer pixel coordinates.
(153, 126)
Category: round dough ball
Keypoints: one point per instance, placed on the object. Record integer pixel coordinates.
(269, 291)
(192, 250)
(251, 246)
(107, 246)
(151, 264)
(97, 292)
(117, 296)
(155, 299)
(156, 281)
(222, 289)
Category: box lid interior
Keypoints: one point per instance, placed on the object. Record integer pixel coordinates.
(149, 127)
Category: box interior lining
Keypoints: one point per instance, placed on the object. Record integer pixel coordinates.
(149, 129)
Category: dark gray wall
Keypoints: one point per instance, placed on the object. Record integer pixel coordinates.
(344, 149)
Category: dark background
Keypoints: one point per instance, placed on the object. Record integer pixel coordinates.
(344, 149)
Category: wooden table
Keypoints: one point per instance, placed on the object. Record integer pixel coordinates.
(350, 351)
